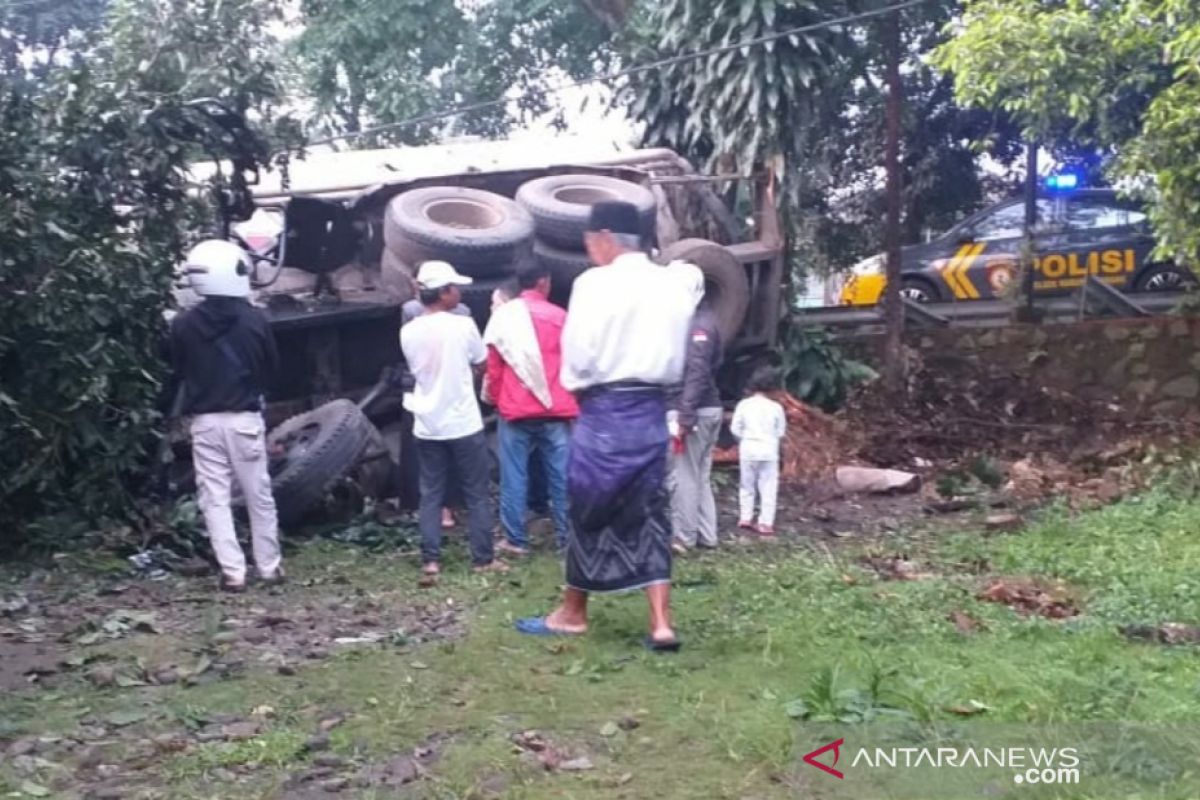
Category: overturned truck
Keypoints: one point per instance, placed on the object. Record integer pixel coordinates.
(335, 277)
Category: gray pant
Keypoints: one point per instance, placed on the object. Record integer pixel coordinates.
(693, 507)
(472, 462)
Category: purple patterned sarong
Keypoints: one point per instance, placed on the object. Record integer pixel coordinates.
(621, 537)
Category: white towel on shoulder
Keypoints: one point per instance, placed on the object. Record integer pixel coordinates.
(510, 331)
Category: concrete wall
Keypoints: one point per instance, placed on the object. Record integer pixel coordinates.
(1151, 367)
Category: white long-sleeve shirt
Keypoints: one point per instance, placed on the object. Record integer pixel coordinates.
(629, 321)
(758, 424)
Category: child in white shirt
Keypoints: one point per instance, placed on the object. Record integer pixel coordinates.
(759, 423)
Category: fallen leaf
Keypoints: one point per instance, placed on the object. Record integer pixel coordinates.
(202, 666)
(796, 709)
(419, 665)
(128, 716)
(964, 622)
(330, 722)
(126, 681)
(238, 731)
(969, 709)
(34, 789)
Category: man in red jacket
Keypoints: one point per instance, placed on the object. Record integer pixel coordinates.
(523, 339)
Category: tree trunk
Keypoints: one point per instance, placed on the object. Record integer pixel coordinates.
(893, 350)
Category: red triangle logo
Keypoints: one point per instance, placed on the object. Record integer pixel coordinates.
(811, 758)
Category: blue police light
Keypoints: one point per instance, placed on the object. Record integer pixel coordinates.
(1063, 182)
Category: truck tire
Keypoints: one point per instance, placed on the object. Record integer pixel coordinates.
(561, 205)
(396, 278)
(725, 284)
(482, 234)
(564, 265)
(478, 298)
(319, 447)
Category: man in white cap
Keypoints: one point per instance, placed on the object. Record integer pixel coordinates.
(441, 349)
(223, 352)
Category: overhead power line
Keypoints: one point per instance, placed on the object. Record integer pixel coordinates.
(470, 108)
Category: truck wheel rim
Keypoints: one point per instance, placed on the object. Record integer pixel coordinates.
(463, 214)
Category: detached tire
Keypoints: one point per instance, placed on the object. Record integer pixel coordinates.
(482, 234)
(725, 284)
(564, 265)
(319, 446)
(561, 205)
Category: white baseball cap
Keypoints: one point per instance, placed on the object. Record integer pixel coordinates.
(439, 274)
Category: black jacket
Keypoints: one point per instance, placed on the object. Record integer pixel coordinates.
(699, 387)
(224, 353)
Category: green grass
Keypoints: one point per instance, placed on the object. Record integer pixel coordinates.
(763, 629)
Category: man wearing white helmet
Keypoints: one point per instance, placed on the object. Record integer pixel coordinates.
(224, 354)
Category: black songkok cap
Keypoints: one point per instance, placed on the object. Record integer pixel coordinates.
(615, 216)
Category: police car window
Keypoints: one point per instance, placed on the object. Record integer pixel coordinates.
(1007, 222)
(1094, 214)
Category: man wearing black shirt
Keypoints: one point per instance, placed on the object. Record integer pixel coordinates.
(223, 352)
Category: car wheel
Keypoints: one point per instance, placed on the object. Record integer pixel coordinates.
(918, 290)
(1165, 278)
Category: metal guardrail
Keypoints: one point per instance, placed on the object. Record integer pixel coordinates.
(1091, 302)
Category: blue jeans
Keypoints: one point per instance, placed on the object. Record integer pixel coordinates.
(551, 439)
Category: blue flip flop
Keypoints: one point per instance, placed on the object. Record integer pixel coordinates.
(655, 646)
(536, 626)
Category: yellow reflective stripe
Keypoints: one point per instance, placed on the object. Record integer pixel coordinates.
(948, 271)
(965, 264)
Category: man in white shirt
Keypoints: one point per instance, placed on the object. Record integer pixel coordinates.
(623, 344)
(441, 349)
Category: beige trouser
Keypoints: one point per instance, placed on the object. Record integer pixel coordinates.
(224, 446)
(693, 507)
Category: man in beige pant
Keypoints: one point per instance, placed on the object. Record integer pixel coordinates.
(224, 353)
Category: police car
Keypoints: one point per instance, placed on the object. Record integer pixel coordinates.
(1078, 233)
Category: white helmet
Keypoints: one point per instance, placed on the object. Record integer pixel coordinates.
(217, 268)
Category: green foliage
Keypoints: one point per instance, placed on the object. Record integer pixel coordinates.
(738, 110)
(811, 107)
(1121, 76)
(94, 212)
(381, 61)
(817, 371)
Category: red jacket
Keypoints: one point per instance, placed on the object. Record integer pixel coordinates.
(513, 400)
